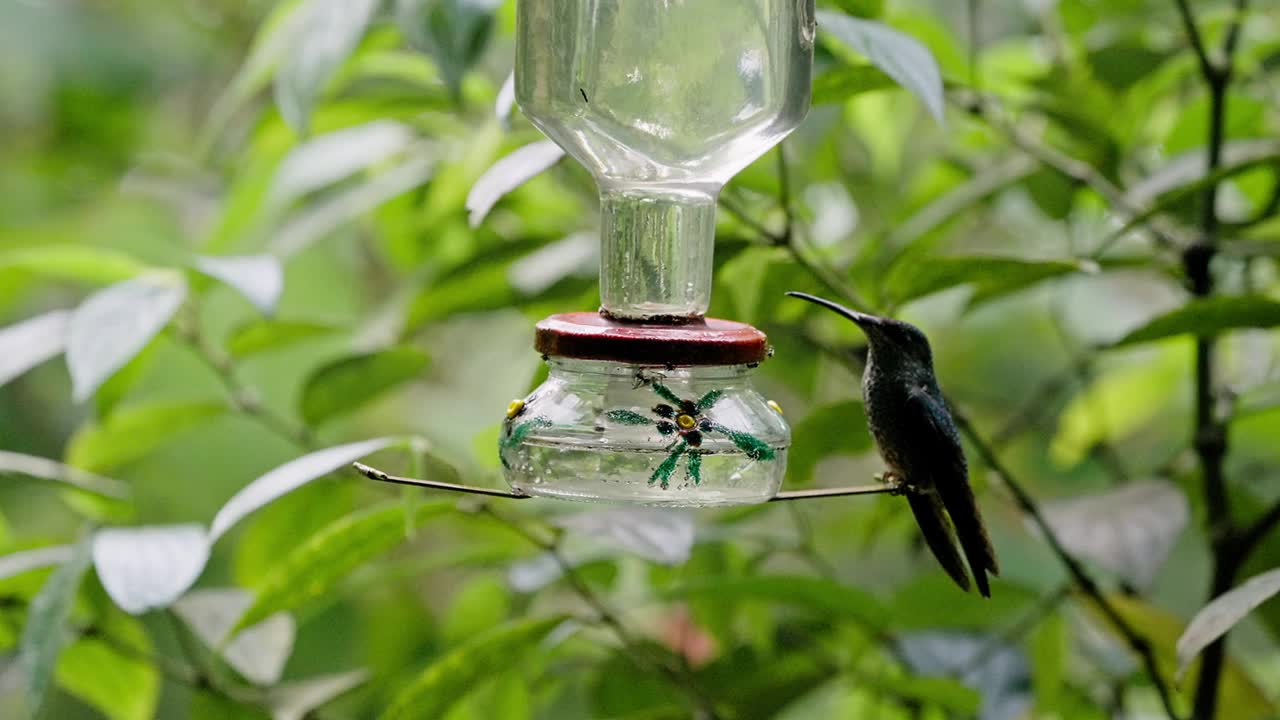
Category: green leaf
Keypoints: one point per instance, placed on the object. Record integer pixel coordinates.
(1219, 616)
(113, 676)
(914, 277)
(900, 56)
(482, 603)
(454, 676)
(343, 386)
(858, 8)
(320, 563)
(265, 335)
(946, 693)
(115, 324)
(932, 601)
(45, 632)
(453, 31)
(817, 595)
(1208, 317)
(1122, 65)
(846, 81)
(1238, 695)
(26, 344)
(134, 432)
(326, 32)
(838, 429)
(1050, 648)
(1120, 401)
(286, 524)
(79, 263)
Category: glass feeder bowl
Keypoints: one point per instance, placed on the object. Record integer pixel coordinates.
(614, 423)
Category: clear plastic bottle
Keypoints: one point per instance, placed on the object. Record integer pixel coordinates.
(663, 101)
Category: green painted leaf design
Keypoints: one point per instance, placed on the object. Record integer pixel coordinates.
(662, 475)
(628, 417)
(711, 398)
(665, 393)
(694, 467)
(751, 446)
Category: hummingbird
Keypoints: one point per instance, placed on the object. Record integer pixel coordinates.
(918, 440)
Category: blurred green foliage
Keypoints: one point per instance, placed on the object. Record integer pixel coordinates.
(323, 151)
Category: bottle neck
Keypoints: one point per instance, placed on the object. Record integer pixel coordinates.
(656, 252)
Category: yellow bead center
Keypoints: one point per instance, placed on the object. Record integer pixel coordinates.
(686, 422)
(514, 408)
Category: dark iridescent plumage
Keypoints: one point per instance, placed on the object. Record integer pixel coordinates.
(918, 440)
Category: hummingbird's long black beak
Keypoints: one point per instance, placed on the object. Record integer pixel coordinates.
(862, 319)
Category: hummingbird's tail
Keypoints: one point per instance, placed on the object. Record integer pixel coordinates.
(928, 509)
(963, 509)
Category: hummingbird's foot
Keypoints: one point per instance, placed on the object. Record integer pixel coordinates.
(897, 486)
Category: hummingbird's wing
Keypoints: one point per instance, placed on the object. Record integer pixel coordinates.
(940, 459)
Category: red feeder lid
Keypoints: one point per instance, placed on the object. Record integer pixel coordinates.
(591, 336)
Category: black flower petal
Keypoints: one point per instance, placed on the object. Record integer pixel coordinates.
(693, 437)
(688, 407)
(666, 428)
(664, 410)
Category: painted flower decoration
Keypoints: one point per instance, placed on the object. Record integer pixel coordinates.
(689, 421)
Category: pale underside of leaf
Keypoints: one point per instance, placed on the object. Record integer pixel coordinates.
(294, 701)
(259, 653)
(289, 477)
(115, 324)
(259, 278)
(1222, 613)
(509, 173)
(661, 535)
(148, 568)
(51, 470)
(26, 344)
(1129, 531)
(17, 563)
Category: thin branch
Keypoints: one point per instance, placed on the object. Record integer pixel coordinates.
(243, 398)
(1207, 68)
(1210, 438)
(743, 217)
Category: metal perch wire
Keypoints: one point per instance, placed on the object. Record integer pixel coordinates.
(813, 494)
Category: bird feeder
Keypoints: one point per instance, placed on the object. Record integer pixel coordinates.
(649, 401)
